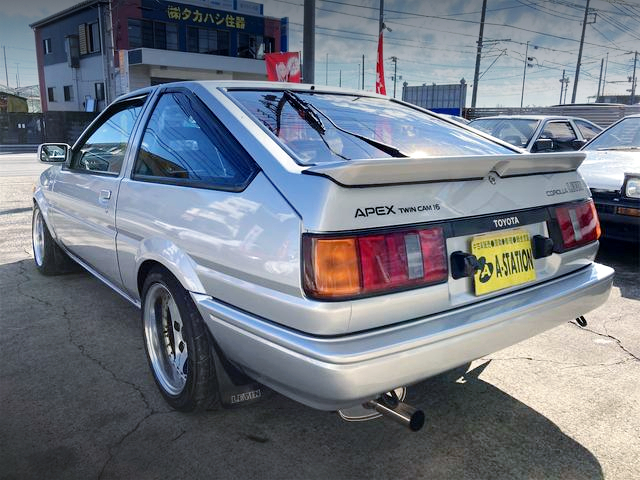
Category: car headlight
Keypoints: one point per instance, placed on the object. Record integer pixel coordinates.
(632, 188)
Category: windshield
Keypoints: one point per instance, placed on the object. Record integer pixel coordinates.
(357, 127)
(516, 131)
(624, 135)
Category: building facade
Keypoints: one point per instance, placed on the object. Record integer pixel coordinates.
(99, 49)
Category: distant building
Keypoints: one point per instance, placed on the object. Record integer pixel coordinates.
(10, 103)
(99, 49)
(449, 99)
(622, 99)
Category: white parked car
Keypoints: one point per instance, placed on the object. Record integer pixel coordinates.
(539, 133)
(612, 172)
(333, 245)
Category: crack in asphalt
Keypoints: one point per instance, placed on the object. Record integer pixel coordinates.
(566, 364)
(67, 317)
(606, 335)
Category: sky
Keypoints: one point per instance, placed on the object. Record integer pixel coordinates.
(434, 41)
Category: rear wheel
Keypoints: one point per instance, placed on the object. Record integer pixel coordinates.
(177, 344)
(50, 259)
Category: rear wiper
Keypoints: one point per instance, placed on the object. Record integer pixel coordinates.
(385, 147)
(308, 112)
(304, 110)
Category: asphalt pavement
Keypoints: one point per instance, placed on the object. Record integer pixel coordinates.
(77, 399)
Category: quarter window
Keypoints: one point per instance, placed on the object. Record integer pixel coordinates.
(184, 144)
(104, 150)
(587, 130)
(562, 135)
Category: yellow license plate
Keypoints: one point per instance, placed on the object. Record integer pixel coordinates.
(505, 259)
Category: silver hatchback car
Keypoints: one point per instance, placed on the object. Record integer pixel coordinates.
(333, 245)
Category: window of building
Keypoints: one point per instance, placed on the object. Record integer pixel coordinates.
(207, 40)
(99, 87)
(93, 35)
(68, 93)
(46, 44)
(150, 34)
(89, 38)
(248, 45)
(51, 94)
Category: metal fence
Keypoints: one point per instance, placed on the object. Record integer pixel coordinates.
(36, 128)
(603, 115)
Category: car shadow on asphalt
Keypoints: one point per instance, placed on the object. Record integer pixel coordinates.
(473, 429)
(624, 257)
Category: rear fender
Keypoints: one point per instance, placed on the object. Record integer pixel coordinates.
(170, 256)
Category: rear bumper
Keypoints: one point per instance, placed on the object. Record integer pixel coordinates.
(329, 373)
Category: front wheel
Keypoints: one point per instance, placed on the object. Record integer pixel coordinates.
(177, 344)
(50, 259)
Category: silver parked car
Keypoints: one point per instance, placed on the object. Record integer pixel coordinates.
(612, 172)
(333, 245)
(539, 133)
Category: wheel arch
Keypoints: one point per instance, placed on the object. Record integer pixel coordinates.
(165, 254)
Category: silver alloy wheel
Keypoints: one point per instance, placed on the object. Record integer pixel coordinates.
(37, 233)
(166, 346)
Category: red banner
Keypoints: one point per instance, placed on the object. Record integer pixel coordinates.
(380, 88)
(283, 67)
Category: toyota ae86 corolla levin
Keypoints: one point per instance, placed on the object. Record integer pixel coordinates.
(333, 245)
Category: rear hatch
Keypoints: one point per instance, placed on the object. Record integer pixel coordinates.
(434, 234)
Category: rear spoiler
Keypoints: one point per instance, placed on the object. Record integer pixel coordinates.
(387, 171)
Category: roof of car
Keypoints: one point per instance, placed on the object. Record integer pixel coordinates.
(530, 117)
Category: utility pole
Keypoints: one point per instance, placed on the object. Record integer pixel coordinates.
(566, 89)
(340, 79)
(6, 72)
(604, 79)
(476, 75)
(600, 79)
(561, 88)
(524, 73)
(633, 80)
(395, 74)
(584, 28)
(326, 70)
(309, 41)
(363, 72)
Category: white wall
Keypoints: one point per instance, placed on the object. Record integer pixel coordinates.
(82, 80)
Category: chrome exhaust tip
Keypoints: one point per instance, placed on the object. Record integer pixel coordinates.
(400, 412)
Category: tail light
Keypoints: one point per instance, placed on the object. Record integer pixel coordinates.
(578, 224)
(355, 266)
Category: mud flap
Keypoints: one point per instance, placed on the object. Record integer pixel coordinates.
(235, 388)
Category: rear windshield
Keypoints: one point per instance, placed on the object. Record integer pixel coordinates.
(322, 127)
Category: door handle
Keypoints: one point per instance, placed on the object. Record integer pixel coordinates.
(105, 194)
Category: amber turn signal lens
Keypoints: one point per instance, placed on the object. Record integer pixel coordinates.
(336, 271)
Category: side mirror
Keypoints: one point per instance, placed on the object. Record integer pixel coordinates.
(53, 152)
(543, 145)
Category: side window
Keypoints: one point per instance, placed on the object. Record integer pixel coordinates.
(184, 144)
(587, 130)
(562, 135)
(103, 151)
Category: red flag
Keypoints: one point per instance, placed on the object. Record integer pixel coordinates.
(380, 88)
(283, 67)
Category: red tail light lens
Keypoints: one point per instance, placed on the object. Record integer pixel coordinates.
(578, 224)
(373, 263)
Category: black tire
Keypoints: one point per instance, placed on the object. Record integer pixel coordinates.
(49, 258)
(177, 344)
